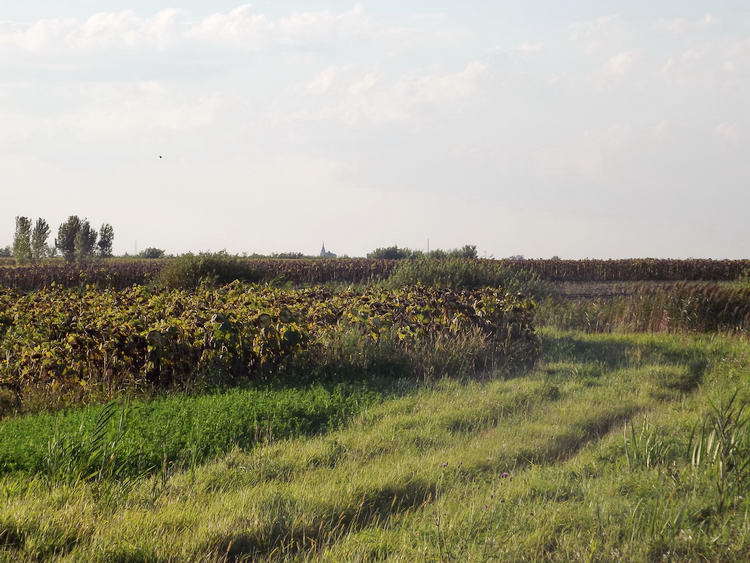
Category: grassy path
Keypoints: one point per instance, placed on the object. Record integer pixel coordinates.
(534, 468)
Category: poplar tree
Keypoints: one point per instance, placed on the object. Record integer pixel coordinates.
(85, 241)
(39, 237)
(106, 237)
(22, 240)
(66, 238)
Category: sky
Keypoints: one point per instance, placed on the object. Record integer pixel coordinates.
(603, 129)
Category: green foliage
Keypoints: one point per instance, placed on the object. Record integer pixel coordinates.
(85, 241)
(700, 307)
(125, 441)
(722, 445)
(396, 253)
(191, 270)
(106, 238)
(460, 273)
(22, 240)
(66, 238)
(468, 251)
(89, 454)
(76, 239)
(645, 446)
(83, 341)
(391, 253)
(39, 238)
(151, 253)
(526, 469)
(5, 252)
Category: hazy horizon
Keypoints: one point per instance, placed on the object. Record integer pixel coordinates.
(536, 128)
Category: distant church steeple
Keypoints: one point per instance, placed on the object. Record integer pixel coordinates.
(325, 254)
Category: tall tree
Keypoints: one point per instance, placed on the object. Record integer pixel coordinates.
(85, 241)
(39, 237)
(468, 251)
(22, 240)
(106, 237)
(66, 237)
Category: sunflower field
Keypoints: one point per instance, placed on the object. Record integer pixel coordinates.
(61, 338)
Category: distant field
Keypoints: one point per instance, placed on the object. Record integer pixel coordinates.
(123, 272)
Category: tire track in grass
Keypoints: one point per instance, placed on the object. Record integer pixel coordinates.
(416, 483)
(390, 468)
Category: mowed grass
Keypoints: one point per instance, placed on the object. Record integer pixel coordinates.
(588, 458)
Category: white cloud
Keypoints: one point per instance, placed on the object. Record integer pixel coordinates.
(596, 34)
(323, 81)
(684, 25)
(371, 99)
(585, 30)
(242, 28)
(406, 97)
(728, 131)
(620, 64)
(364, 85)
(529, 48)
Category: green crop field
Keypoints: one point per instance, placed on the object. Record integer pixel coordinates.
(433, 415)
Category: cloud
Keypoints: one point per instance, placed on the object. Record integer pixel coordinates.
(584, 30)
(728, 131)
(529, 48)
(370, 99)
(620, 64)
(595, 34)
(683, 25)
(323, 81)
(241, 28)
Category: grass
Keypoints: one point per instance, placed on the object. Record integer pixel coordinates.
(142, 436)
(590, 457)
(653, 307)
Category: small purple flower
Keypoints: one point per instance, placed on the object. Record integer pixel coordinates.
(504, 475)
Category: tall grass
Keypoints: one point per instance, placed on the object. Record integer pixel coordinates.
(721, 445)
(680, 307)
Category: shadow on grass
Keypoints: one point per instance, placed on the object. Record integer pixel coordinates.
(47, 542)
(280, 539)
(622, 352)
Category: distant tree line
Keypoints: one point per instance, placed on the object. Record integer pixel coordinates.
(396, 253)
(76, 240)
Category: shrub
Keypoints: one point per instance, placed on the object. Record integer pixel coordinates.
(460, 273)
(152, 253)
(391, 253)
(190, 270)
